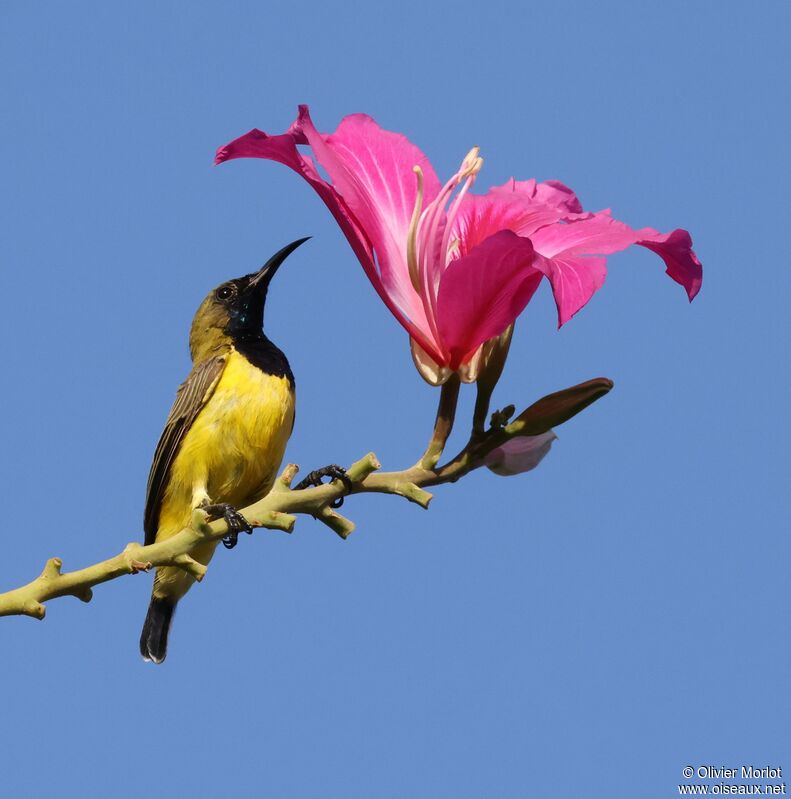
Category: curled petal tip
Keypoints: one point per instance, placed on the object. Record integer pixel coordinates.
(681, 262)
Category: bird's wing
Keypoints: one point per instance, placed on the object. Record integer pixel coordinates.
(192, 396)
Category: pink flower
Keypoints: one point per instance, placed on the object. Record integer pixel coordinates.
(455, 268)
(520, 454)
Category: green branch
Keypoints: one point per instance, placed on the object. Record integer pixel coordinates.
(278, 510)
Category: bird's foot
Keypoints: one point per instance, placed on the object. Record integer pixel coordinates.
(235, 521)
(334, 472)
(138, 566)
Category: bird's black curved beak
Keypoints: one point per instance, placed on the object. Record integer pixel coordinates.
(267, 271)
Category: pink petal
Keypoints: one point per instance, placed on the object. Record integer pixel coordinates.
(597, 234)
(675, 249)
(406, 307)
(574, 271)
(574, 280)
(372, 169)
(381, 163)
(552, 193)
(520, 454)
(483, 292)
(482, 216)
(283, 149)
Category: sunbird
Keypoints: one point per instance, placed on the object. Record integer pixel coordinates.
(225, 436)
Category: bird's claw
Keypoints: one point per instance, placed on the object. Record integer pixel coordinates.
(138, 566)
(334, 472)
(235, 521)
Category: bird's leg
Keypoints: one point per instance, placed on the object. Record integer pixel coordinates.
(332, 471)
(235, 521)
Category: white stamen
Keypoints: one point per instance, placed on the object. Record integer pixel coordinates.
(427, 256)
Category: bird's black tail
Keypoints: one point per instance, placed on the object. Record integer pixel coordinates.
(154, 638)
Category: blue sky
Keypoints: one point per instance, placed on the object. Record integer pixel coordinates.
(589, 629)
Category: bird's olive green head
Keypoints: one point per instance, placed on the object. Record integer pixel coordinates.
(234, 311)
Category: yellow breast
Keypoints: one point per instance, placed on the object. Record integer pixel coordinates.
(235, 446)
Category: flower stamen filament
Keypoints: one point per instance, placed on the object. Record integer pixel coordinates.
(428, 247)
(411, 239)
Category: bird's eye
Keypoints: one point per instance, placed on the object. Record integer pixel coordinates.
(224, 292)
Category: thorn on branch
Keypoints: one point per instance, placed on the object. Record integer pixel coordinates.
(34, 609)
(412, 492)
(200, 522)
(337, 523)
(52, 569)
(360, 469)
(283, 483)
(416, 494)
(190, 565)
(83, 594)
(135, 565)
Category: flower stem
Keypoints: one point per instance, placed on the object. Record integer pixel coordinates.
(487, 380)
(482, 400)
(446, 413)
